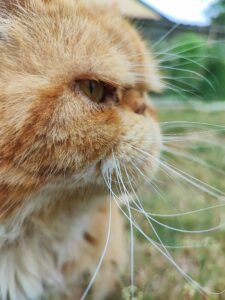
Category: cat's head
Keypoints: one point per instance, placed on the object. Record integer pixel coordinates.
(74, 80)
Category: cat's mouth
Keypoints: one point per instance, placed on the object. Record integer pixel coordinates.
(121, 169)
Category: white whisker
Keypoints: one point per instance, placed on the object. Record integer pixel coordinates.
(103, 252)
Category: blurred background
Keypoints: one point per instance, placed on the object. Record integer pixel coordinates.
(184, 254)
(187, 38)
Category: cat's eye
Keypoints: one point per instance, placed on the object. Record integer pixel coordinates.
(93, 89)
(98, 91)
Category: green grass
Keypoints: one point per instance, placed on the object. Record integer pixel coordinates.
(155, 277)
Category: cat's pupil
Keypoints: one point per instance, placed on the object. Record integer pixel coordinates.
(92, 86)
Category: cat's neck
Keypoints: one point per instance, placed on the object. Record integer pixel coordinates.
(48, 205)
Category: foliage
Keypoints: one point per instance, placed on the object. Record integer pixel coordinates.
(217, 11)
(216, 66)
(194, 67)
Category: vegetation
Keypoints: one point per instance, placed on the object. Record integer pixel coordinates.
(202, 256)
(194, 67)
(217, 11)
(193, 64)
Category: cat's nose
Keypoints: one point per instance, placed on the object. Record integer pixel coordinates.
(141, 109)
(134, 101)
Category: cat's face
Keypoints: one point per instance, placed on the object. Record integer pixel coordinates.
(73, 96)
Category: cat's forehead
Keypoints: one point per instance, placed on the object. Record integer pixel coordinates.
(69, 38)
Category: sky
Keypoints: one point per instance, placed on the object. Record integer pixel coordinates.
(183, 11)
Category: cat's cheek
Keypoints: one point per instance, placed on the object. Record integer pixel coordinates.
(138, 149)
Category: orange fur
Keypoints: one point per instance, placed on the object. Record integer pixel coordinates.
(54, 141)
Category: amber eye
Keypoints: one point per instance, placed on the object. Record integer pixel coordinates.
(93, 89)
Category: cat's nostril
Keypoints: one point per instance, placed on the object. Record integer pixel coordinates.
(141, 109)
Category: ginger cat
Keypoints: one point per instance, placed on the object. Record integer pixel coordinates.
(74, 79)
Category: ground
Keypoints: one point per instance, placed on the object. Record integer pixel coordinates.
(200, 255)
